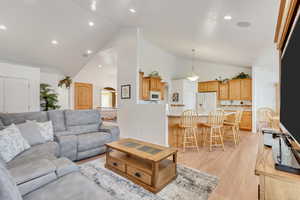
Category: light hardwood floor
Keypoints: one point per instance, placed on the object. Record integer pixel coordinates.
(234, 167)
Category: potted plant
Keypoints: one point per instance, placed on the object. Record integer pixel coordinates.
(48, 97)
(67, 81)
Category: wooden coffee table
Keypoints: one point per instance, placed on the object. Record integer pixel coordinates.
(148, 165)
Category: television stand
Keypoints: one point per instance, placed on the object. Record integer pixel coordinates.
(274, 184)
(285, 157)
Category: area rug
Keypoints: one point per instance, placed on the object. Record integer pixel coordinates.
(190, 184)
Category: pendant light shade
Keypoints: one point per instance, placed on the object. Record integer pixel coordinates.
(193, 76)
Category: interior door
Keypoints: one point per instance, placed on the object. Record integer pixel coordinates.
(83, 96)
(16, 95)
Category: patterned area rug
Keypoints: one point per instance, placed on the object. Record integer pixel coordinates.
(190, 184)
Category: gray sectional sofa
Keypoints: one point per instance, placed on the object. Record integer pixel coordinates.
(45, 171)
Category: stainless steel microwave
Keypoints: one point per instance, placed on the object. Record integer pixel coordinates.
(155, 96)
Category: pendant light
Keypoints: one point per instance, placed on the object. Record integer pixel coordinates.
(193, 76)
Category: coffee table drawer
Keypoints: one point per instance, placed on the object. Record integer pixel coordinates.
(116, 164)
(138, 174)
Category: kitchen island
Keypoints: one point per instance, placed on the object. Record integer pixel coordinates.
(175, 138)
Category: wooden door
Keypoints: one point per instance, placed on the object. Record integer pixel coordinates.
(16, 95)
(246, 89)
(224, 91)
(83, 96)
(235, 89)
(145, 89)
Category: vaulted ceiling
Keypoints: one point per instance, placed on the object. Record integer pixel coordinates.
(175, 25)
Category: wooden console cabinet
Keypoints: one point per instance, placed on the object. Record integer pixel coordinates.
(274, 184)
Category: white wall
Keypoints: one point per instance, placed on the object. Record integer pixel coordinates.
(265, 76)
(208, 71)
(29, 73)
(106, 76)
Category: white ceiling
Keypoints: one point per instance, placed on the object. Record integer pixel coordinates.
(175, 25)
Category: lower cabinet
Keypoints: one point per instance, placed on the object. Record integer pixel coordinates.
(246, 122)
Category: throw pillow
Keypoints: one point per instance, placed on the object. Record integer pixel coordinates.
(12, 143)
(31, 132)
(46, 129)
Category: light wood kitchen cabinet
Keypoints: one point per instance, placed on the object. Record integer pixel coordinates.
(240, 89)
(246, 89)
(202, 87)
(145, 88)
(235, 89)
(155, 84)
(224, 91)
(246, 122)
(162, 90)
(209, 86)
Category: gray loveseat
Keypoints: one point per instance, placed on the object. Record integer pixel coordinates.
(44, 171)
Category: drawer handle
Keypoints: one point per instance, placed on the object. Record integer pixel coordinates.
(137, 174)
(115, 164)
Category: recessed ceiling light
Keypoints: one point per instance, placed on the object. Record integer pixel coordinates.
(99, 66)
(91, 23)
(227, 17)
(54, 42)
(2, 27)
(132, 10)
(89, 52)
(94, 5)
(243, 24)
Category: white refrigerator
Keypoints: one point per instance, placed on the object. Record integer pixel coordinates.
(206, 102)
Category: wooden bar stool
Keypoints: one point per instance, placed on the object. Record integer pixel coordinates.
(214, 127)
(234, 126)
(189, 125)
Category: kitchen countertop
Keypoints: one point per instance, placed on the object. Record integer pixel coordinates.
(199, 115)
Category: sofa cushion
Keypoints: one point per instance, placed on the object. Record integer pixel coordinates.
(58, 120)
(63, 133)
(8, 188)
(18, 118)
(73, 186)
(49, 150)
(64, 166)
(82, 117)
(12, 143)
(31, 132)
(89, 141)
(32, 170)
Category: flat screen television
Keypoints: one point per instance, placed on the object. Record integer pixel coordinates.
(290, 83)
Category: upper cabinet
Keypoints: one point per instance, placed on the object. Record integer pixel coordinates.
(237, 89)
(209, 86)
(223, 91)
(240, 89)
(148, 84)
(155, 84)
(246, 89)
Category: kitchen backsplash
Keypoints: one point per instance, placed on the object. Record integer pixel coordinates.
(235, 103)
